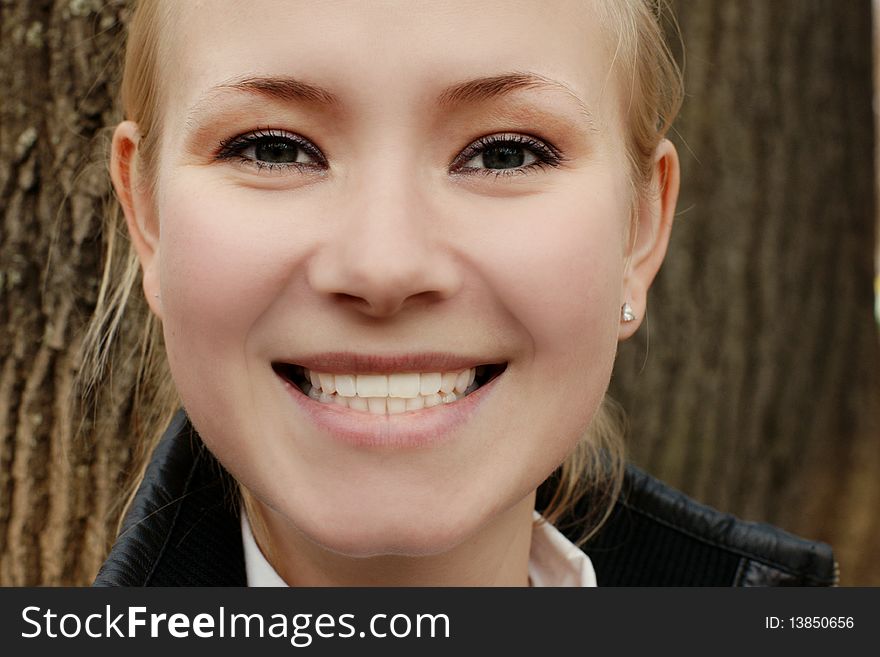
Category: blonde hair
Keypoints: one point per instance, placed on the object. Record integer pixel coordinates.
(644, 66)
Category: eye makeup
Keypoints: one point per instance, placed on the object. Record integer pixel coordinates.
(271, 149)
(278, 150)
(507, 144)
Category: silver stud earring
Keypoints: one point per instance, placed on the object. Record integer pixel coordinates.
(626, 313)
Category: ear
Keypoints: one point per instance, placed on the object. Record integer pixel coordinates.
(656, 211)
(135, 196)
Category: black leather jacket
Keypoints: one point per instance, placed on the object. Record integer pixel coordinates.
(183, 529)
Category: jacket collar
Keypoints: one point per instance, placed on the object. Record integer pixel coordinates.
(183, 529)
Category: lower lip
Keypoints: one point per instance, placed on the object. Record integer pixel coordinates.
(422, 428)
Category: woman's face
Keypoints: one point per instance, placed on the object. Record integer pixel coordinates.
(423, 212)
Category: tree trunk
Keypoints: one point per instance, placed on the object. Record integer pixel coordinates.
(755, 385)
(59, 63)
(760, 391)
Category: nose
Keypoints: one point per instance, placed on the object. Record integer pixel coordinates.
(387, 251)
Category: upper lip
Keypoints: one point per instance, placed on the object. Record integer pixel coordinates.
(343, 362)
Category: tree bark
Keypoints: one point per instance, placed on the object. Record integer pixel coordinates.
(755, 385)
(59, 63)
(759, 390)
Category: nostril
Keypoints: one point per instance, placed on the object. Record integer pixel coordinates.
(350, 298)
(374, 307)
(385, 279)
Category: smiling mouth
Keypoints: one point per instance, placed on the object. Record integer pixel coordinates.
(388, 394)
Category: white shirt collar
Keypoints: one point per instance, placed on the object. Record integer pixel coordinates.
(553, 559)
(257, 568)
(556, 561)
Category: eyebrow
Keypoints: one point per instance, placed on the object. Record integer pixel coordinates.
(476, 90)
(488, 88)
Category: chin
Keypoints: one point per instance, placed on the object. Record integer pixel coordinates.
(384, 533)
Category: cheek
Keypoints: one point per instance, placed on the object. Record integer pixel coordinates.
(220, 269)
(559, 267)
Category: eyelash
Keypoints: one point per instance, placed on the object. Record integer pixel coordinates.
(232, 149)
(546, 155)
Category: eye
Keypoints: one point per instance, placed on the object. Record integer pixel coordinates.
(272, 149)
(505, 155)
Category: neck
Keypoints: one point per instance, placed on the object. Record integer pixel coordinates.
(497, 555)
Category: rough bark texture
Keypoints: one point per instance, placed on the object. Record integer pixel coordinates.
(755, 386)
(759, 393)
(59, 64)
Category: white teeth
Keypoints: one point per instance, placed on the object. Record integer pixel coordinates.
(415, 404)
(447, 381)
(328, 383)
(404, 385)
(463, 380)
(345, 385)
(429, 384)
(396, 405)
(433, 400)
(372, 385)
(381, 394)
(385, 405)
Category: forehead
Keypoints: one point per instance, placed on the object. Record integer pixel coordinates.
(371, 53)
